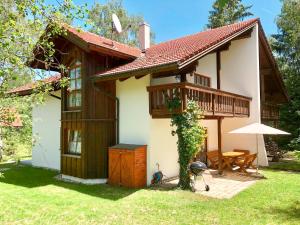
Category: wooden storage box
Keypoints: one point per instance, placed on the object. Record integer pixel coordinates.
(127, 165)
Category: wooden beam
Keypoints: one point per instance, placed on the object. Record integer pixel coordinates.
(123, 79)
(220, 157)
(218, 69)
(183, 77)
(266, 71)
(138, 77)
(168, 73)
(262, 87)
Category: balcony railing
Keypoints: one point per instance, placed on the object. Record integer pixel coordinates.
(269, 111)
(213, 102)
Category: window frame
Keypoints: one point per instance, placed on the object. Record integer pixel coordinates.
(68, 141)
(201, 77)
(73, 92)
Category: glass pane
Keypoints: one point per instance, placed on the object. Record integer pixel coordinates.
(74, 141)
(78, 150)
(78, 72)
(71, 143)
(78, 99)
(79, 136)
(77, 63)
(78, 84)
(69, 135)
(75, 135)
(72, 84)
(74, 99)
(72, 73)
(70, 101)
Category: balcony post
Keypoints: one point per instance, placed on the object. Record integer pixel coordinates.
(218, 69)
(184, 98)
(233, 107)
(213, 103)
(220, 156)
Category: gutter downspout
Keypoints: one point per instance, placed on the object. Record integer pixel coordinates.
(54, 96)
(117, 110)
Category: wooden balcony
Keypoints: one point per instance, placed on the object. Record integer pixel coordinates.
(269, 111)
(213, 102)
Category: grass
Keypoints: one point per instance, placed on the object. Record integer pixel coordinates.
(290, 163)
(22, 151)
(32, 196)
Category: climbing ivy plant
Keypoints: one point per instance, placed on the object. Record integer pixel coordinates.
(190, 133)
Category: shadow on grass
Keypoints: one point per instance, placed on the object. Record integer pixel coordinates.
(286, 165)
(30, 177)
(292, 212)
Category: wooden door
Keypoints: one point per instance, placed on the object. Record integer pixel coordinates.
(127, 168)
(114, 176)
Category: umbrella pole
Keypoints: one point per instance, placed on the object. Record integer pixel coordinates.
(257, 153)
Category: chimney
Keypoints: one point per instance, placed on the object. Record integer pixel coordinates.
(144, 36)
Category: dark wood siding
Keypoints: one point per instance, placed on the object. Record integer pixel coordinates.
(96, 119)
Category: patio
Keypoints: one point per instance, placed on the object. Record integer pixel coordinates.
(223, 186)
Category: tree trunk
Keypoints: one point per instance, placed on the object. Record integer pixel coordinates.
(184, 176)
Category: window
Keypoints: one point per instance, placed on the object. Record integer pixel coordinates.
(74, 91)
(201, 80)
(74, 142)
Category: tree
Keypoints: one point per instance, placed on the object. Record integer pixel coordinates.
(286, 46)
(101, 23)
(22, 30)
(227, 12)
(191, 136)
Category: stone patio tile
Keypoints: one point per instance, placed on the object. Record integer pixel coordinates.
(225, 186)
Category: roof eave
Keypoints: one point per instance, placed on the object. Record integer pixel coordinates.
(103, 50)
(137, 72)
(263, 37)
(175, 65)
(214, 47)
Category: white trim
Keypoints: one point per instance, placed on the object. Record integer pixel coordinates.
(68, 178)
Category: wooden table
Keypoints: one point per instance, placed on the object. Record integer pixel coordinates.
(229, 158)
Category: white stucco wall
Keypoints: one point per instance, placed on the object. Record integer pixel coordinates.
(212, 134)
(46, 133)
(138, 127)
(207, 66)
(163, 149)
(240, 75)
(134, 121)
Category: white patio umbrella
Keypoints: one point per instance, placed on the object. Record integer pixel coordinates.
(258, 128)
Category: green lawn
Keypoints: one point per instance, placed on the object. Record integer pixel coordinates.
(291, 162)
(31, 196)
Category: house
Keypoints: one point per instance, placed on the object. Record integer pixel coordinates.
(10, 118)
(117, 95)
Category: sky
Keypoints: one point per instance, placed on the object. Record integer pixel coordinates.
(171, 19)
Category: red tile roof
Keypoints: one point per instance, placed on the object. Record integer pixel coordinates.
(27, 88)
(179, 50)
(10, 118)
(98, 41)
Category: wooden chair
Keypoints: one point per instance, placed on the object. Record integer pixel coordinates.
(246, 152)
(245, 162)
(213, 157)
